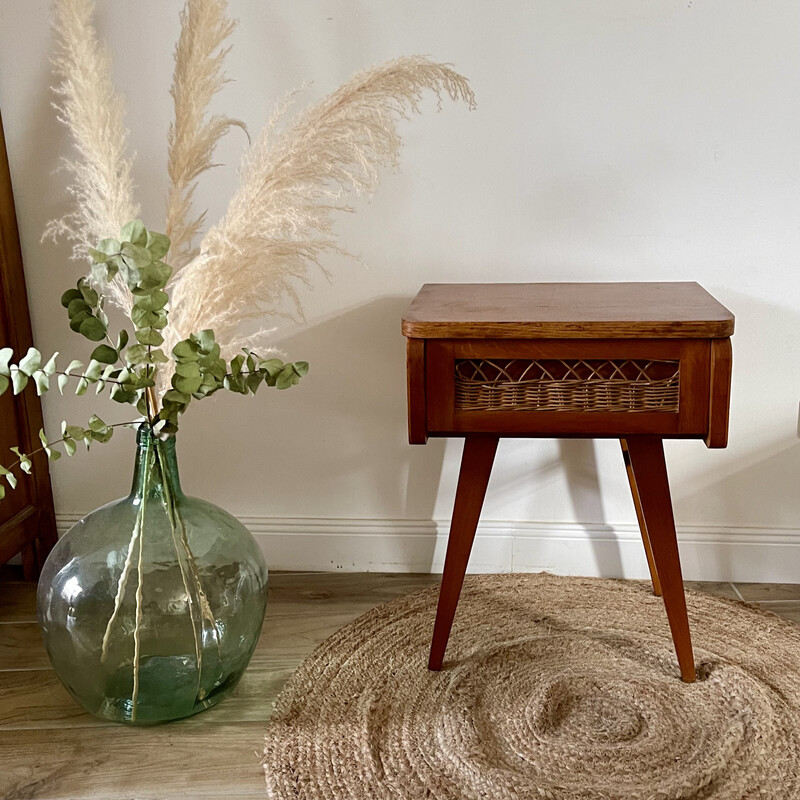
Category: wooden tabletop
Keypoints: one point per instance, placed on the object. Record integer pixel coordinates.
(566, 310)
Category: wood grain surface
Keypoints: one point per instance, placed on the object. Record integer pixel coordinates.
(50, 748)
(566, 311)
(27, 518)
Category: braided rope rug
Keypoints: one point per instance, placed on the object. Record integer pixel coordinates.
(557, 688)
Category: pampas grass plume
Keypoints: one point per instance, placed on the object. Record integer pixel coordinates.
(279, 221)
(94, 112)
(192, 136)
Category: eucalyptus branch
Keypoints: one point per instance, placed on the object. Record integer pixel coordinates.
(132, 370)
(98, 431)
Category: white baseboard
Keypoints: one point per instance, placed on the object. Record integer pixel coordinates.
(613, 551)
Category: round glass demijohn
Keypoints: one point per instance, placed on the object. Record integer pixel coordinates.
(151, 606)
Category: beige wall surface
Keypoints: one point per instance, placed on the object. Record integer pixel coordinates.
(614, 140)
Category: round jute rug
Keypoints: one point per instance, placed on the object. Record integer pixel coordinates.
(557, 688)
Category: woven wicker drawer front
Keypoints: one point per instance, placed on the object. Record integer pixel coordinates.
(582, 385)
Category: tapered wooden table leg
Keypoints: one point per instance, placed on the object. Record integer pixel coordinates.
(476, 467)
(637, 503)
(650, 475)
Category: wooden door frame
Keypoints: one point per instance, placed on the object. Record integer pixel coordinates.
(31, 531)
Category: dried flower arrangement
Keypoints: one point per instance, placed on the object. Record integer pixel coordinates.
(187, 316)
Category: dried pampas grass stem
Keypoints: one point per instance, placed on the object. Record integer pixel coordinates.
(193, 136)
(279, 222)
(94, 113)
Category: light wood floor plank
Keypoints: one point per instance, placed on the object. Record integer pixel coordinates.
(756, 592)
(33, 699)
(21, 646)
(18, 602)
(50, 748)
(120, 763)
(788, 609)
(711, 587)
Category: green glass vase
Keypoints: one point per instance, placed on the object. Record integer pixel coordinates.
(151, 606)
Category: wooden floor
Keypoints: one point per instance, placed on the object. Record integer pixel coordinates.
(49, 748)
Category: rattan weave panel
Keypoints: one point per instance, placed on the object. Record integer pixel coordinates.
(574, 385)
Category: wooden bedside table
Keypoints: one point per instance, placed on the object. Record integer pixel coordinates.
(638, 362)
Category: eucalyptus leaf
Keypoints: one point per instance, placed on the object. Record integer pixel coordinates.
(105, 272)
(273, 366)
(78, 320)
(187, 385)
(158, 357)
(130, 273)
(75, 364)
(69, 446)
(136, 354)
(31, 362)
(96, 425)
(93, 371)
(19, 380)
(176, 397)
(73, 431)
(77, 305)
(69, 296)
(109, 246)
(42, 382)
(142, 318)
(301, 368)
(25, 464)
(236, 366)
(254, 381)
(186, 350)
(12, 479)
(122, 339)
(235, 384)
(82, 386)
(153, 278)
(88, 293)
(153, 302)
(188, 369)
(286, 378)
(157, 244)
(97, 256)
(139, 256)
(63, 380)
(134, 232)
(92, 329)
(5, 359)
(53, 455)
(4, 383)
(50, 367)
(105, 354)
(149, 336)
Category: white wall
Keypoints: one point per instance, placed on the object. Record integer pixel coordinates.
(614, 140)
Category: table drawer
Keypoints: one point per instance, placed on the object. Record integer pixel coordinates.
(573, 387)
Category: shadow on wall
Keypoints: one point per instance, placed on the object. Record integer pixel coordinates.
(356, 459)
(769, 478)
(371, 435)
(359, 357)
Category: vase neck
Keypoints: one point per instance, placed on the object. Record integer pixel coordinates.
(155, 470)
